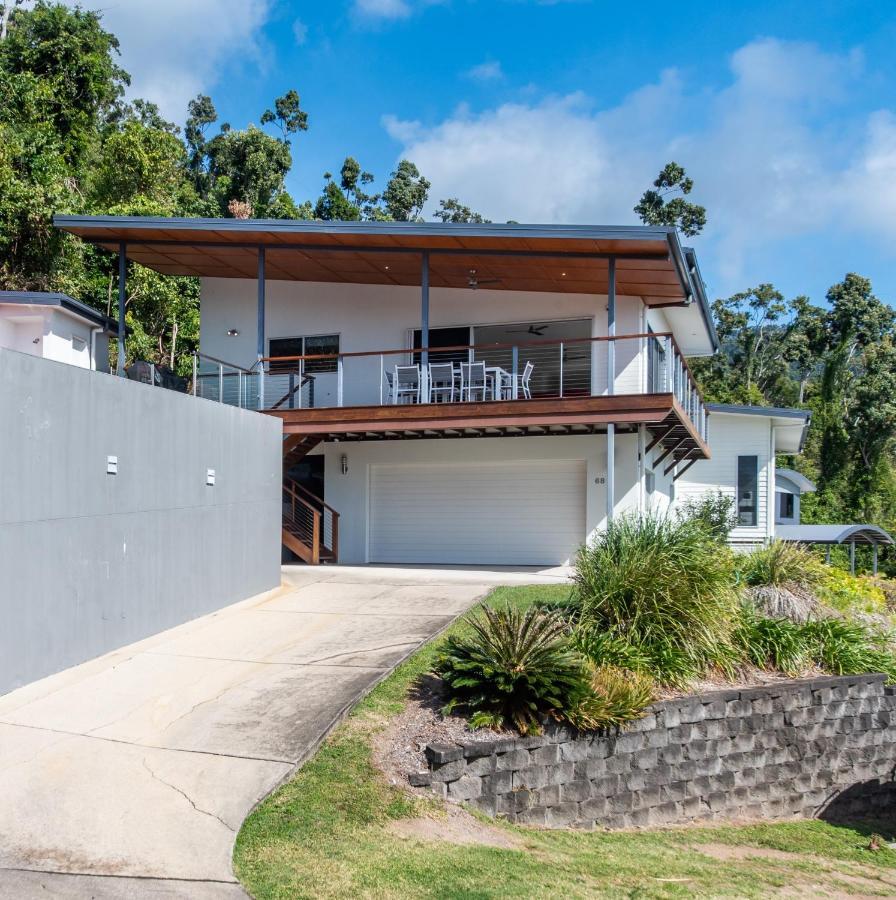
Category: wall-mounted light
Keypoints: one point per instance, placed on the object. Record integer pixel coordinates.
(210, 477)
(111, 465)
(343, 464)
(233, 332)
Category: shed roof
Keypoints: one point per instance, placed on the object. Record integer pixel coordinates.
(833, 534)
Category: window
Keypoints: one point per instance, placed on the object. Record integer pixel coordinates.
(312, 345)
(747, 490)
(786, 508)
(445, 337)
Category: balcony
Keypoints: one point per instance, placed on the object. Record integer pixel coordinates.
(576, 386)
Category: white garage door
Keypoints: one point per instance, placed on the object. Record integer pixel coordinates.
(510, 513)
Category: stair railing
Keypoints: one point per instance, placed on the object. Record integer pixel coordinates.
(314, 522)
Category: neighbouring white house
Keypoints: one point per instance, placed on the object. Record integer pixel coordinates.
(466, 394)
(55, 326)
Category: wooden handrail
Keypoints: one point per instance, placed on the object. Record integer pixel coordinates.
(495, 346)
(314, 497)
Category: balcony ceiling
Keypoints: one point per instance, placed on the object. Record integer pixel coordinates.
(648, 264)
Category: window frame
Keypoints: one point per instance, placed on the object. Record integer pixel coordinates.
(742, 481)
(310, 367)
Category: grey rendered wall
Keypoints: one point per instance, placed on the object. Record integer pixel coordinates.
(90, 561)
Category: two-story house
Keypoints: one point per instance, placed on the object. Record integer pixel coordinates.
(464, 394)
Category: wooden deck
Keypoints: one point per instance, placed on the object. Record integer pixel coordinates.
(668, 424)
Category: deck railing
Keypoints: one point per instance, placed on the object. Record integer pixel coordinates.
(649, 363)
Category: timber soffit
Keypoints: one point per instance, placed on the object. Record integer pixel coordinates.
(471, 239)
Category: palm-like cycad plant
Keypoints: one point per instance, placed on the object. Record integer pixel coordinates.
(512, 668)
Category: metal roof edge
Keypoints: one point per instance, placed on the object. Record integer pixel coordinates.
(644, 232)
(63, 301)
(771, 412)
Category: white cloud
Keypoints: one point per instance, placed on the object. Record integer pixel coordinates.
(175, 49)
(486, 71)
(383, 9)
(386, 10)
(300, 31)
(775, 152)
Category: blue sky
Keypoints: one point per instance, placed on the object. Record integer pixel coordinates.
(564, 110)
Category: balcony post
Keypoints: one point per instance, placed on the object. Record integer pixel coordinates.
(260, 332)
(611, 326)
(195, 372)
(611, 471)
(424, 308)
(561, 370)
(670, 365)
(339, 376)
(122, 303)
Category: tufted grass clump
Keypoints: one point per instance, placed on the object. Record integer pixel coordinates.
(780, 563)
(657, 595)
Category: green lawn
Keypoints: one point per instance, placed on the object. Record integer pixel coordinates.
(327, 834)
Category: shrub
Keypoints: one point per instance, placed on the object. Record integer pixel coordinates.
(714, 511)
(850, 593)
(660, 585)
(513, 667)
(780, 563)
(616, 696)
(848, 648)
(779, 644)
(659, 659)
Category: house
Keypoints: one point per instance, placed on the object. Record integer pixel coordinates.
(745, 440)
(464, 394)
(55, 326)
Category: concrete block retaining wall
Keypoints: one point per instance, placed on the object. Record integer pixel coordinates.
(825, 746)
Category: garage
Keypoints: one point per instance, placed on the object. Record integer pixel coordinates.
(528, 512)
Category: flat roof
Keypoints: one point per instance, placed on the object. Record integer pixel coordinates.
(774, 412)
(650, 261)
(63, 301)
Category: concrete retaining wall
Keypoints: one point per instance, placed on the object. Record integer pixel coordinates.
(91, 561)
(825, 746)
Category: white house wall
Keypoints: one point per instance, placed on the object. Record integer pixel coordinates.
(731, 436)
(349, 494)
(379, 317)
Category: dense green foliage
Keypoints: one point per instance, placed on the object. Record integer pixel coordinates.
(69, 143)
(512, 668)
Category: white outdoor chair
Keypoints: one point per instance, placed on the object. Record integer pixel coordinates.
(389, 386)
(441, 382)
(523, 389)
(406, 384)
(472, 381)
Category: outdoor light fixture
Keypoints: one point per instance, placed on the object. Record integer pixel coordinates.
(210, 477)
(343, 464)
(111, 465)
(233, 332)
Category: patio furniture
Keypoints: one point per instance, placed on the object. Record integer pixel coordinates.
(501, 382)
(524, 380)
(472, 381)
(406, 384)
(441, 383)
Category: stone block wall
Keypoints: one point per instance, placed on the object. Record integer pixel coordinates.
(819, 747)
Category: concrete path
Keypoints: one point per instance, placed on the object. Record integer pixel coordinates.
(130, 775)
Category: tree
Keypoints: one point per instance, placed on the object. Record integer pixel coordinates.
(406, 193)
(287, 114)
(655, 207)
(452, 210)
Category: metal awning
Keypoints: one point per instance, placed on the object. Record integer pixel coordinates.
(834, 534)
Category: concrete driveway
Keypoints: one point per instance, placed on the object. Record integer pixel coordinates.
(131, 774)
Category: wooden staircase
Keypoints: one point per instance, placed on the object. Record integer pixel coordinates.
(310, 526)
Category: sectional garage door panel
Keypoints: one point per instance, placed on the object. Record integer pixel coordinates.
(516, 513)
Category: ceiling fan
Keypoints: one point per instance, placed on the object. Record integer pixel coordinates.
(473, 280)
(536, 330)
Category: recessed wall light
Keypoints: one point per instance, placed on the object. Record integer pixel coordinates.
(386, 268)
(233, 332)
(563, 274)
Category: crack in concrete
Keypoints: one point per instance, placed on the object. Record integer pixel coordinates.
(170, 878)
(186, 796)
(360, 650)
(96, 737)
